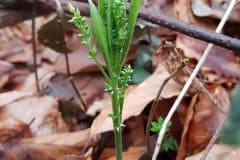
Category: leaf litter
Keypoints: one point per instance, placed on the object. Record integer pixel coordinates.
(53, 126)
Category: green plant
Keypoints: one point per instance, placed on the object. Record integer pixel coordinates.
(169, 143)
(112, 29)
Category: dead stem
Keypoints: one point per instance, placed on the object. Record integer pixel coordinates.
(34, 12)
(70, 78)
(155, 102)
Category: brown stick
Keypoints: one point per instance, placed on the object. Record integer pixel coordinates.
(168, 22)
(157, 98)
(34, 11)
(70, 78)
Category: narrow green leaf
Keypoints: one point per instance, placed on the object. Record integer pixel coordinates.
(101, 8)
(99, 30)
(109, 23)
(133, 13)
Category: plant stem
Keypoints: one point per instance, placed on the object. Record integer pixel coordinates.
(155, 102)
(116, 117)
(34, 12)
(118, 143)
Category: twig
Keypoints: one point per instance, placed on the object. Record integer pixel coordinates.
(190, 80)
(168, 22)
(34, 12)
(157, 98)
(70, 78)
(192, 30)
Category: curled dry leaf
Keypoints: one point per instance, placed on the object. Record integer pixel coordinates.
(41, 113)
(202, 120)
(219, 152)
(137, 99)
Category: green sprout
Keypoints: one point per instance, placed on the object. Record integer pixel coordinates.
(169, 143)
(112, 30)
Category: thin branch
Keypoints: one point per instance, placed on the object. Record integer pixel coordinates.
(192, 30)
(34, 12)
(190, 80)
(70, 78)
(162, 20)
(155, 102)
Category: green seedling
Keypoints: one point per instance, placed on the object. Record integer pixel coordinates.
(169, 143)
(112, 30)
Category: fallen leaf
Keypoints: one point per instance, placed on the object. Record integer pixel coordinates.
(215, 9)
(78, 138)
(219, 152)
(183, 12)
(202, 120)
(23, 151)
(41, 113)
(220, 60)
(137, 99)
(5, 69)
(52, 33)
(13, 129)
(29, 84)
(132, 153)
(11, 96)
(78, 58)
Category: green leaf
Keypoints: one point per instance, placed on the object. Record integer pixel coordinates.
(169, 143)
(133, 13)
(99, 30)
(101, 8)
(157, 126)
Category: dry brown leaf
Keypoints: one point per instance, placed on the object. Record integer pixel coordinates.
(137, 99)
(220, 60)
(78, 59)
(29, 85)
(219, 152)
(78, 138)
(183, 12)
(202, 120)
(5, 69)
(13, 129)
(11, 96)
(91, 86)
(27, 151)
(41, 111)
(216, 9)
(133, 153)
